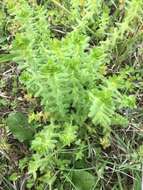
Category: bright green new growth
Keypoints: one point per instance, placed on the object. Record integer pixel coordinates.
(70, 76)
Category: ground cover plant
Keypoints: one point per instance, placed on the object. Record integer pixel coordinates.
(71, 94)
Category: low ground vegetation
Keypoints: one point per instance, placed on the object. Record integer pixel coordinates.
(71, 94)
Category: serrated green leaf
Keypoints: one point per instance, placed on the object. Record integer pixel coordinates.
(83, 180)
(18, 125)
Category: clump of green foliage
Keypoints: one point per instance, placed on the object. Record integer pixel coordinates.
(66, 52)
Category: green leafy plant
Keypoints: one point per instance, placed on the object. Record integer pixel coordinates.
(18, 125)
(83, 80)
(83, 180)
